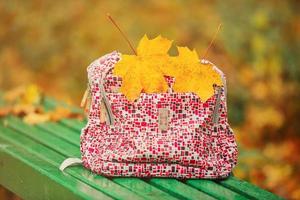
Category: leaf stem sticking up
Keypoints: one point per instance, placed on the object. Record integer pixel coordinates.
(212, 41)
(122, 33)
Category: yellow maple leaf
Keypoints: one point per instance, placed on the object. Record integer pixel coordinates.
(142, 72)
(32, 94)
(29, 94)
(192, 76)
(146, 70)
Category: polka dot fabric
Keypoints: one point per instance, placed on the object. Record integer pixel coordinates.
(192, 146)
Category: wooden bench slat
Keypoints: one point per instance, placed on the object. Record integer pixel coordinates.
(73, 124)
(47, 138)
(101, 183)
(136, 181)
(50, 104)
(61, 132)
(179, 189)
(215, 190)
(141, 187)
(247, 189)
(20, 171)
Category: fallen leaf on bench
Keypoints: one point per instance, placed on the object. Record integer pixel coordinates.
(24, 109)
(26, 102)
(4, 111)
(24, 95)
(61, 113)
(36, 118)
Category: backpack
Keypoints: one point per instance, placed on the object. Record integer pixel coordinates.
(159, 135)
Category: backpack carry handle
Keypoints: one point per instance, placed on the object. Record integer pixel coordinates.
(216, 112)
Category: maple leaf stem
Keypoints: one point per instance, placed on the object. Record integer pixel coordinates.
(212, 41)
(122, 33)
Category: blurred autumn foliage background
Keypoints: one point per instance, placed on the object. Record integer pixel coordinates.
(48, 44)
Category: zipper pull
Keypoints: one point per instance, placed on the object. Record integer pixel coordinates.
(216, 113)
(85, 97)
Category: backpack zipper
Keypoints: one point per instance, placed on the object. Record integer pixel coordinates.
(111, 119)
(105, 102)
(215, 116)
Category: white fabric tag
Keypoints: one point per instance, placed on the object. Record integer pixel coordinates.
(163, 115)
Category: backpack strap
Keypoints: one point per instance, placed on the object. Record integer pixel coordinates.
(69, 162)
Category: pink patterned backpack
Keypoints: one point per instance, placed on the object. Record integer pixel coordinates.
(159, 135)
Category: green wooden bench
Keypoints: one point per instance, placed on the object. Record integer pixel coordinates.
(30, 157)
